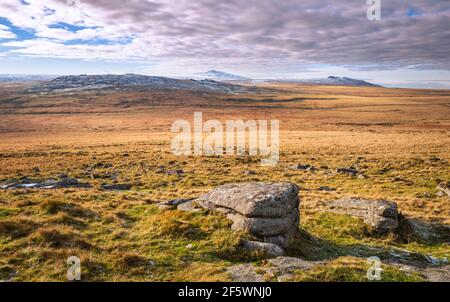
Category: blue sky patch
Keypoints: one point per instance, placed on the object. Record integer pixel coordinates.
(412, 12)
(70, 27)
(22, 34)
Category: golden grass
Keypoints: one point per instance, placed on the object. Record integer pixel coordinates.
(399, 139)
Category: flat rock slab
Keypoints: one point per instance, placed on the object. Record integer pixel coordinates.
(254, 199)
(116, 187)
(380, 214)
(265, 227)
(431, 274)
(244, 273)
(173, 204)
(444, 187)
(280, 269)
(269, 249)
(27, 183)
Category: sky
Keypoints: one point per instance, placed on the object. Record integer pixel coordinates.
(263, 39)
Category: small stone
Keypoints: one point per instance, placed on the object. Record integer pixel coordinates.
(61, 176)
(269, 249)
(172, 204)
(175, 172)
(326, 188)
(300, 167)
(116, 187)
(279, 268)
(189, 206)
(444, 187)
(350, 171)
(244, 273)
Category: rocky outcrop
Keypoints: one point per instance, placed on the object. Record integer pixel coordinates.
(133, 81)
(267, 211)
(380, 214)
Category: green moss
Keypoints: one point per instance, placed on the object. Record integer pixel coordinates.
(7, 212)
(337, 227)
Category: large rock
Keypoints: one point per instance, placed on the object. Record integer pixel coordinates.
(380, 214)
(267, 211)
(254, 199)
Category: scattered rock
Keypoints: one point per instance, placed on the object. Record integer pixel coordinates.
(437, 274)
(326, 188)
(301, 167)
(384, 170)
(62, 176)
(249, 172)
(27, 183)
(350, 171)
(116, 187)
(244, 273)
(175, 172)
(161, 170)
(444, 187)
(380, 214)
(9, 185)
(269, 249)
(280, 269)
(172, 204)
(70, 182)
(283, 265)
(431, 274)
(190, 206)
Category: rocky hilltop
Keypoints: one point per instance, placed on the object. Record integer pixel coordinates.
(220, 76)
(120, 82)
(333, 81)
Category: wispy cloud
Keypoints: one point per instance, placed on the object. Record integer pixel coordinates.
(6, 33)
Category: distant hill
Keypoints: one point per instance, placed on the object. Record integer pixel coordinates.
(220, 76)
(127, 81)
(24, 77)
(333, 81)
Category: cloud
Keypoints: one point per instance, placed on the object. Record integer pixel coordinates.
(5, 33)
(288, 33)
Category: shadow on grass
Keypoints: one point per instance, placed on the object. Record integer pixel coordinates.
(327, 236)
